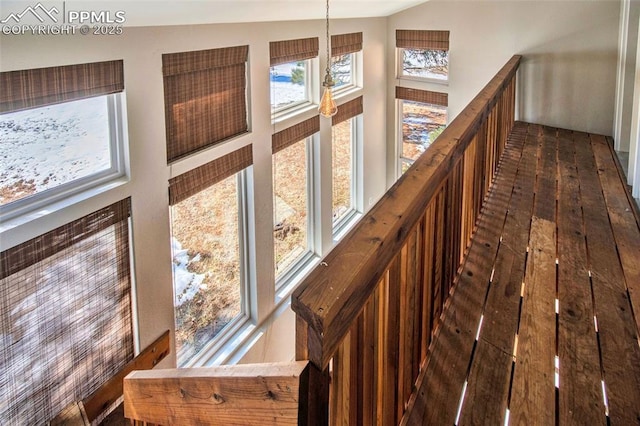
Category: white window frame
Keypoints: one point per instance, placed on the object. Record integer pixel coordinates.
(400, 70)
(310, 76)
(355, 59)
(231, 330)
(399, 136)
(291, 276)
(344, 222)
(117, 139)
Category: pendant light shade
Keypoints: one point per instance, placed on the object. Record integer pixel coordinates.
(328, 107)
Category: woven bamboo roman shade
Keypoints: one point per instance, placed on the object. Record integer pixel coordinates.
(190, 183)
(285, 51)
(65, 315)
(46, 86)
(205, 98)
(347, 110)
(295, 133)
(422, 39)
(424, 96)
(341, 44)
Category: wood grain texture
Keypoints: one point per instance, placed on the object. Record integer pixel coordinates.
(533, 389)
(256, 394)
(625, 228)
(580, 388)
(620, 352)
(583, 235)
(111, 391)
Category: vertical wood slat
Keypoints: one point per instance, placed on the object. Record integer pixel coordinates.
(391, 346)
(427, 280)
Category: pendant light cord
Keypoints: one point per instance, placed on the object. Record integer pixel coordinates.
(328, 43)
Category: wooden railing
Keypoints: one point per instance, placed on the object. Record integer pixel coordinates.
(365, 317)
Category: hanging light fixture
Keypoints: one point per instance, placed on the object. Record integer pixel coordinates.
(328, 106)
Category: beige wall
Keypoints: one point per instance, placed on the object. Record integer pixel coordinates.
(141, 49)
(568, 74)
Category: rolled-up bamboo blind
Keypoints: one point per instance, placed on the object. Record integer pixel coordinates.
(342, 44)
(190, 183)
(205, 98)
(422, 39)
(285, 51)
(424, 96)
(46, 86)
(295, 133)
(347, 110)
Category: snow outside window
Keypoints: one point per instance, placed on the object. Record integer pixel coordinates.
(290, 86)
(424, 64)
(421, 124)
(208, 274)
(54, 151)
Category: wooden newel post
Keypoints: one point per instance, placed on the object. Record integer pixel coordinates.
(314, 385)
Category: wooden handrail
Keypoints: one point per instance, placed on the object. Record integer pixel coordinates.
(373, 304)
(333, 295)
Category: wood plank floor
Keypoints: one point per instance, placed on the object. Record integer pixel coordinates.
(542, 327)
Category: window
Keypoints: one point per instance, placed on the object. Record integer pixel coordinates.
(207, 240)
(345, 161)
(423, 116)
(205, 98)
(66, 324)
(423, 63)
(290, 86)
(292, 196)
(344, 51)
(343, 70)
(423, 54)
(291, 74)
(61, 131)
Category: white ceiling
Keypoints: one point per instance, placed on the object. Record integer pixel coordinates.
(176, 12)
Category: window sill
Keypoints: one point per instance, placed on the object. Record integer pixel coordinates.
(424, 79)
(223, 345)
(242, 334)
(344, 224)
(290, 113)
(292, 277)
(56, 205)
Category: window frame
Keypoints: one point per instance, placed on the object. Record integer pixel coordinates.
(82, 186)
(343, 222)
(291, 275)
(355, 59)
(230, 330)
(287, 111)
(400, 70)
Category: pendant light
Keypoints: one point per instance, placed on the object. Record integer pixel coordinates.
(328, 107)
